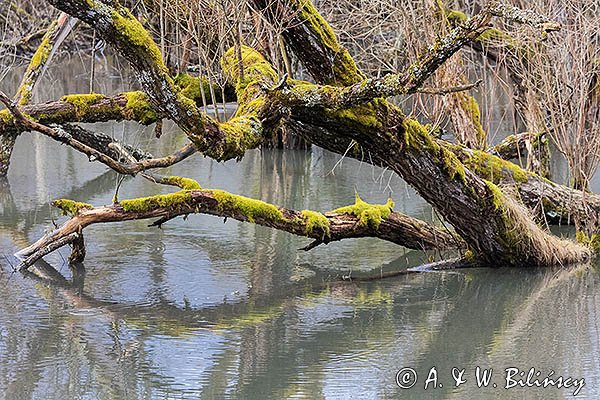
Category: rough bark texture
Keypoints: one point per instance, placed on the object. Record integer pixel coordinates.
(7, 142)
(477, 209)
(115, 24)
(557, 202)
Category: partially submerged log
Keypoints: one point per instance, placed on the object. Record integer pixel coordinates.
(358, 220)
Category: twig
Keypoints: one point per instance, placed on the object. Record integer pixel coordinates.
(454, 89)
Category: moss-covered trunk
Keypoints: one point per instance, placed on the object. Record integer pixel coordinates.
(7, 142)
(491, 223)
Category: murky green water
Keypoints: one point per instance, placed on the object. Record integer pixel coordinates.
(204, 309)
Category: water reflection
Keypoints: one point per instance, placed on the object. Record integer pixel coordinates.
(319, 340)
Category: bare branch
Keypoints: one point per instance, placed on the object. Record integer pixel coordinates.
(454, 89)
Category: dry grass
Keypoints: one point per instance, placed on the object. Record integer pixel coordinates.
(541, 245)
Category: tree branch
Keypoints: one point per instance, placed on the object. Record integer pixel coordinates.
(359, 220)
(54, 36)
(391, 84)
(98, 147)
(220, 141)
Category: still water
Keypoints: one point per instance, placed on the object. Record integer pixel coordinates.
(204, 309)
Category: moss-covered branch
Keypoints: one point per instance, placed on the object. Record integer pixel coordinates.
(408, 82)
(358, 220)
(89, 108)
(515, 146)
(121, 158)
(557, 202)
(494, 226)
(95, 107)
(313, 40)
(118, 27)
(37, 65)
(38, 61)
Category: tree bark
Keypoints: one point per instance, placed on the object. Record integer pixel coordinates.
(481, 214)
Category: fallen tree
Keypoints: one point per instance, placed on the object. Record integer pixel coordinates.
(343, 111)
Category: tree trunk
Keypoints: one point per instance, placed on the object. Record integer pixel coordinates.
(7, 142)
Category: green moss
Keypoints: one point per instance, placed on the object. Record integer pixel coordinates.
(137, 36)
(469, 255)
(345, 70)
(6, 117)
(37, 60)
(139, 108)
(254, 107)
(317, 220)
(470, 106)
(368, 214)
(493, 34)
(183, 183)
(363, 114)
(319, 26)
(172, 201)
(256, 69)
(250, 208)
(509, 235)
(456, 16)
(497, 196)
(190, 87)
(241, 133)
(593, 241)
(417, 137)
(82, 102)
(70, 207)
(494, 168)
(43, 51)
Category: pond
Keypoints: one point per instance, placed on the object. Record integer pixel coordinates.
(203, 309)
